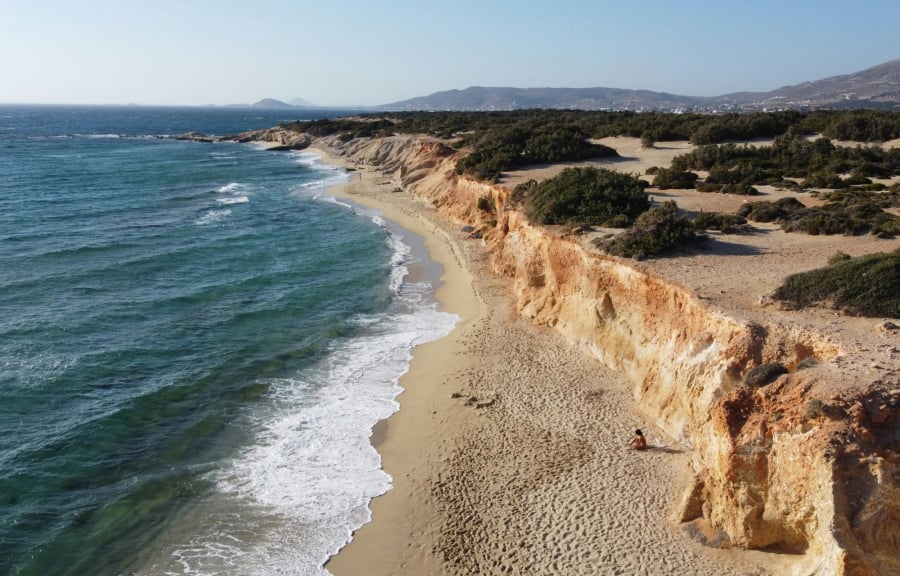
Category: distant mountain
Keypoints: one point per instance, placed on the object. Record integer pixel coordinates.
(271, 104)
(876, 87)
(488, 98)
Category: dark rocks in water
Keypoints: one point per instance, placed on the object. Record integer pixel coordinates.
(197, 137)
(299, 145)
(279, 141)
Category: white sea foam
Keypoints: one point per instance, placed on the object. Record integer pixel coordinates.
(231, 187)
(212, 216)
(99, 136)
(233, 193)
(313, 465)
(234, 200)
(329, 175)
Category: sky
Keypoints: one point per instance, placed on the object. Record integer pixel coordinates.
(371, 52)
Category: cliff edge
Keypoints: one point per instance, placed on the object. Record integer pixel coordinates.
(792, 417)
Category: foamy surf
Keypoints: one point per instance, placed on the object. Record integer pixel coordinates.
(212, 217)
(233, 200)
(293, 499)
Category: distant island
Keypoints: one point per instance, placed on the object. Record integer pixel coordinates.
(274, 104)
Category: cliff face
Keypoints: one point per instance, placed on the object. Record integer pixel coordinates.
(767, 473)
(773, 467)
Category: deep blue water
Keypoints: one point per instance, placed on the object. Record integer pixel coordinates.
(195, 342)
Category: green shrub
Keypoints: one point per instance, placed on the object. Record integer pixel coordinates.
(838, 257)
(656, 231)
(486, 204)
(707, 187)
(824, 179)
(815, 408)
(740, 189)
(727, 223)
(527, 142)
(851, 218)
(865, 286)
(766, 211)
(592, 196)
(668, 178)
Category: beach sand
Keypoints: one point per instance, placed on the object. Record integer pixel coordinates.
(509, 453)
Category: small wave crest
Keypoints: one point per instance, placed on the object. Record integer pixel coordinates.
(401, 250)
(234, 200)
(232, 193)
(328, 175)
(230, 188)
(99, 136)
(212, 216)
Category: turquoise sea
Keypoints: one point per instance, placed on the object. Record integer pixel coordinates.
(195, 342)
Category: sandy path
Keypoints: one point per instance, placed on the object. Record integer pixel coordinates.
(509, 452)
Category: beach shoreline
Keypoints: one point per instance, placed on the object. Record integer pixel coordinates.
(509, 452)
(404, 437)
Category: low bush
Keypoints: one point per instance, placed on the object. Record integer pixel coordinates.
(486, 204)
(815, 408)
(526, 143)
(655, 232)
(591, 196)
(766, 211)
(865, 286)
(727, 223)
(667, 178)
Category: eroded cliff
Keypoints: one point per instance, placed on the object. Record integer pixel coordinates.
(787, 459)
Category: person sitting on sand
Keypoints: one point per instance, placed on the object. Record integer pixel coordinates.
(638, 442)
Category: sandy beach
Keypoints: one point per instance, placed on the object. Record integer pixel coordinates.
(509, 453)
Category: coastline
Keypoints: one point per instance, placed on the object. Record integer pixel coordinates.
(405, 437)
(508, 454)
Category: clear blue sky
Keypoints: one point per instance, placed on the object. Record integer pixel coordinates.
(344, 52)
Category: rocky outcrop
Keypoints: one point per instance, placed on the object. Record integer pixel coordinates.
(776, 464)
(278, 138)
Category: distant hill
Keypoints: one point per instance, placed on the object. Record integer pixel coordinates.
(876, 87)
(271, 104)
(487, 98)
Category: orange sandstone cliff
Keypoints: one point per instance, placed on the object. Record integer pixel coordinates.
(800, 463)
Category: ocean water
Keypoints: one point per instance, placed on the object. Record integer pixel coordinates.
(195, 342)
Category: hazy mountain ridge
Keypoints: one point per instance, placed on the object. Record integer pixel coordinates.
(275, 104)
(876, 87)
(878, 84)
